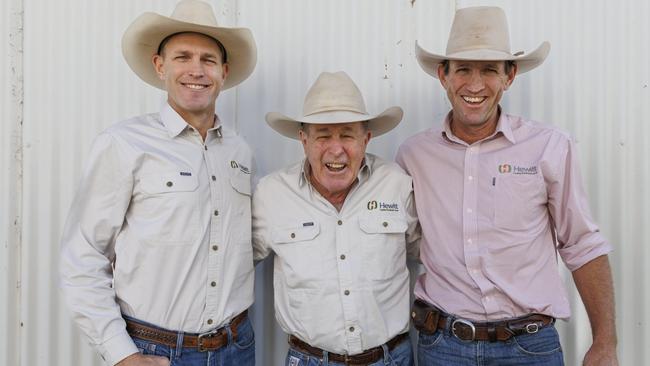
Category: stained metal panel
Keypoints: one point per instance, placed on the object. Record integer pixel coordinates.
(594, 85)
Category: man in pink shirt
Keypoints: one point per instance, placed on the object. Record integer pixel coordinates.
(498, 197)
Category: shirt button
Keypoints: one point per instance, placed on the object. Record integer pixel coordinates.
(293, 235)
(216, 212)
(470, 177)
(169, 184)
(209, 321)
(351, 329)
(342, 256)
(340, 222)
(346, 292)
(213, 284)
(469, 240)
(214, 178)
(469, 210)
(215, 247)
(384, 223)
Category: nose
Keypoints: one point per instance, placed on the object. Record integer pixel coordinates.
(335, 147)
(475, 83)
(196, 68)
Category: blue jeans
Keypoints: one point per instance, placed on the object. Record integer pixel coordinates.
(443, 348)
(240, 351)
(401, 355)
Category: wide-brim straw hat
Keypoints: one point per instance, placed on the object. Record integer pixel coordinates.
(143, 37)
(481, 34)
(335, 98)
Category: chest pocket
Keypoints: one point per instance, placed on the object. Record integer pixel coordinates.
(169, 208)
(519, 201)
(384, 245)
(303, 257)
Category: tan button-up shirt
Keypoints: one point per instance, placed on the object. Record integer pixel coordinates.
(340, 278)
(488, 213)
(159, 230)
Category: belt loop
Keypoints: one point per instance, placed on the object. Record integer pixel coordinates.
(179, 344)
(384, 348)
(229, 330)
(326, 361)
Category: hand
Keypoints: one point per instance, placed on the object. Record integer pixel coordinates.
(600, 356)
(138, 359)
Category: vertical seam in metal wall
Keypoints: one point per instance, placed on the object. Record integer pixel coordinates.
(236, 112)
(16, 38)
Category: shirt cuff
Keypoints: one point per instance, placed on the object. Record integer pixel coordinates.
(117, 348)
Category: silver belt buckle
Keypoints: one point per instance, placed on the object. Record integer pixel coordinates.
(467, 323)
(532, 328)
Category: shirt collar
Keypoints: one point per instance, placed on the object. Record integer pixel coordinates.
(364, 172)
(175, 124)
(503, 126)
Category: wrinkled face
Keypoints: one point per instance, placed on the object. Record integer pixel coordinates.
(474, 89)
(335, 153)
(191, 67)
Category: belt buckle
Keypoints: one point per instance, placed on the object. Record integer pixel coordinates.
(532, 328)
(464, 322)
(208, 335)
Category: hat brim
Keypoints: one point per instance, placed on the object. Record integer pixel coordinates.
(142, 38)
(525, 62)
(378, 125)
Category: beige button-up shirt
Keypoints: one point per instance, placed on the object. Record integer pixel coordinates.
(159, 230)
(489, 213)
(340, 278)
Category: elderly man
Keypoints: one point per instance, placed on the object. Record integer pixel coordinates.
(340, 224)
(157, 261)
(511, 197)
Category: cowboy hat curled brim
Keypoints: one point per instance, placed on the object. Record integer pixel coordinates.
(525, 62)
(142, 38)
(378, 125)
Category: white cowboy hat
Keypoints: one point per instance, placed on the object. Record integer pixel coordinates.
(335, 98)
(142, 39)
(480, 34)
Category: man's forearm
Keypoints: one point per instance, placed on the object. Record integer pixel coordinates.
(594, 283)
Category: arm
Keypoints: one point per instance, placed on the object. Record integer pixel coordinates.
(260, 225)
(594, 283)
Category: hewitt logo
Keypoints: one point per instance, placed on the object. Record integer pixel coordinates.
(382, 206)
(372, 205)
(505, 168)
(514, 169)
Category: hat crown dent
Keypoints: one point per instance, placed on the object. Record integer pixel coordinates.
(334, 92)
(479, 28)
(195, 11)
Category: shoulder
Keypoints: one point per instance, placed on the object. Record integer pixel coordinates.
(280, 179)
(384, 169)
(527, 127)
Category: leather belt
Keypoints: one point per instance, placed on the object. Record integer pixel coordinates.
(209, 341)
(427, 319)
(366, 357)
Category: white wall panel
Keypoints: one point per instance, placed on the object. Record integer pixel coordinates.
(594, 84)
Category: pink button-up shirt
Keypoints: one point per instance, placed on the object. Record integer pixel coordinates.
(489, 212)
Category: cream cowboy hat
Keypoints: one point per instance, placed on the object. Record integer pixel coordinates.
(142, 38)
(334, 98)
(480, 34)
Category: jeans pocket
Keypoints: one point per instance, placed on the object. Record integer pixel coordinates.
(245, 335)
(544, 342)
(430, 340)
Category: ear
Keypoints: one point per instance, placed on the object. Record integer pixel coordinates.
(224, 69)
(157, 61)
(511, 76)
(303, 139)
(367, 137)
(441, 75)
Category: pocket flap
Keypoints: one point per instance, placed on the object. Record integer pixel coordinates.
(241, 184)
(383, 224)
(296, 234)
(168, 182)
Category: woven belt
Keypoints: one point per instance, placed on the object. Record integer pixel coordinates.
(209, 341)
(366, 357)
(427, 319)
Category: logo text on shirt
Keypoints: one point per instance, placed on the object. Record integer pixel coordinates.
(382, 206)
(514, 169)
(236, 165)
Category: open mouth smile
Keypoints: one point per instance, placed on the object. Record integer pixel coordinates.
(473, 100)
(335, 167)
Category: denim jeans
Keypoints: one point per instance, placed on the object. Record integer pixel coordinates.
(401, 355)
(443, 348)
(239, 352)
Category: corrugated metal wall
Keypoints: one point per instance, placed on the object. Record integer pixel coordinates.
(594, 84)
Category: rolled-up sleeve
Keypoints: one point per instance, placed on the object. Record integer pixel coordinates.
(87, 249)
(579, 238)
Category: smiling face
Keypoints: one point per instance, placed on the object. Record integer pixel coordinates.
(335, 153)
(191, 67)
(474, 89)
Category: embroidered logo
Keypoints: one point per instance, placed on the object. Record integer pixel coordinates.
(515, 169)
(236, 165)
(186, 174)
(382, 206)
